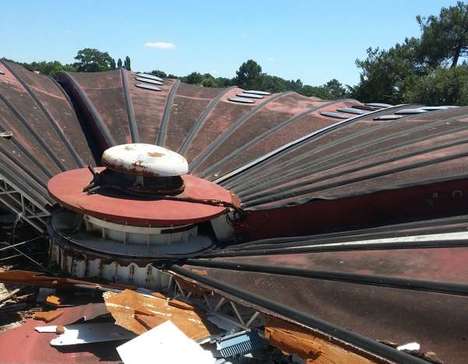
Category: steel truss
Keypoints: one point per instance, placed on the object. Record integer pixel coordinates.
(23, 205)
(220, 309)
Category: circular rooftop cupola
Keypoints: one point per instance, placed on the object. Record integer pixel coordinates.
(145, 160)
(142, 205)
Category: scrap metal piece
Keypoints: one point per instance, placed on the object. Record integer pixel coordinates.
(239, 344)
(91, 333)
(410, 347)
(138, 313)
(294, 339)
(54, 329)
(164, 344)
(35, 346)
(47, 316)
(39, 279)
(6, 134)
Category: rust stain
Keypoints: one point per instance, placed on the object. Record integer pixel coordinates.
(156, 154)
(192, 287)
(293, 339)
(31, 278)
(138, 313)
(54, 300)
(47, 316)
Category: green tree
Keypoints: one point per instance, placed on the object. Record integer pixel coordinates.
(387, 74)
(334, 89)
(223, 82)
(92, 60)
(127, 64)
(445, 37)
(112, 65)
(249, 75)
(209, 82)
(194, 78)
(48, 68)
(119, 63)
(441, 87)
(159, 73)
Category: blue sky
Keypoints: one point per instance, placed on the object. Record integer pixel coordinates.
(311, 40)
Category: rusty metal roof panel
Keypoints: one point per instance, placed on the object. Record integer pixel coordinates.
(367, 310)
(407, 271)
(151, 109)
(189, 110)
(43, 135)
(258, 135)
(297, 171)
(405, 141)
(243, 130)
(219, 119)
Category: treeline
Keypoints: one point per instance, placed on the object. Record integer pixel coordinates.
(430, 69)
(250, 76)
(87, 60)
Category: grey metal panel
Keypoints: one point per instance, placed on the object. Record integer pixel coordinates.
(256, 92)
(378, 104)
(335, 115)
(147, 80)
(250, 96)
(350, 110)
(151, 77)
(410, 111)
(436, 108)
(147, 86)
(388, 117)
(241, 100)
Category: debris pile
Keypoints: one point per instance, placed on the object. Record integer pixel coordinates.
(90, 322)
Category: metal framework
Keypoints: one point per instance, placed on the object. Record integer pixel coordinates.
(25, 207)
(220, 309)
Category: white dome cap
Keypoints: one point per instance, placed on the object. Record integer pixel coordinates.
(145, 160)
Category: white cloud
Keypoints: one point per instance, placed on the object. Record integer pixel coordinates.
(160, 45)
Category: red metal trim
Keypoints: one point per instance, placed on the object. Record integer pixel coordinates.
(67, 189)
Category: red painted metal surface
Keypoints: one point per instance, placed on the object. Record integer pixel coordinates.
(67, 188)
(24, 345)
(415, 203)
